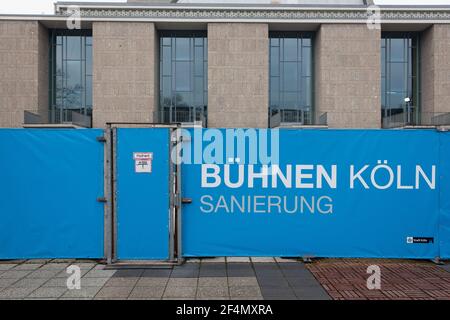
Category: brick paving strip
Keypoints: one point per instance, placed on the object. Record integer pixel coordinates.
(345, 279)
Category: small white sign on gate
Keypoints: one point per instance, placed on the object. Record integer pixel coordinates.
(143, 162)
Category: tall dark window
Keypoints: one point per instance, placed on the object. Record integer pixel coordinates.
(399, 78)
(183, 76)
(70, 74)
(291, 89)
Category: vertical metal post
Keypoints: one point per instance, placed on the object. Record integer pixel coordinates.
(173, 197)
(108, 240)
(114, 195)
(179, 203)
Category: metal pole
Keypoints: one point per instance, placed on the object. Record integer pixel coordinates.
(109, 197)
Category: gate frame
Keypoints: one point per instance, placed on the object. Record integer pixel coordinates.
(175, 208)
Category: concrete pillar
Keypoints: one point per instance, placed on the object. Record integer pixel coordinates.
(24, 70)
(124, 72)
(347, 75)
(238, 75)
(435, 70)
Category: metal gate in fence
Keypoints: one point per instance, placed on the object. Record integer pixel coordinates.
(143, 189)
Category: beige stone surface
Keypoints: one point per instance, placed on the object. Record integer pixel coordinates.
(24, 70)
(347, 75)
(435, 69)
(124, 72)
(238, 75)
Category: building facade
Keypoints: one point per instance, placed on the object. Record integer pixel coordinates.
(335, 64)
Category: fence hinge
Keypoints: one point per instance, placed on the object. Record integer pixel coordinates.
(102, 199)
(101, 139)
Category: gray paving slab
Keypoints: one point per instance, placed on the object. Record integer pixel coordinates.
(182, 282)
(15, 274)
(97, 273)
(152, 282)
(157, 273)
(114, 292)
(128, 273)
(41, 273)
(28, 266)
(245, 291)
(55, 282)
(15, 293)
(6, 282)
(121, 282)
(242, 281)
(93, 282)
(29, 283)
(213, 281)
(180, 292)
(7, 266)
(83, 292)
(212, 292)
(48, 292)
(311, 293)
(147, 292)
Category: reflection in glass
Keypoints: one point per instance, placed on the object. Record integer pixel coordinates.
(183, 76)
(290, 76)
(71, 74)
(399, 61)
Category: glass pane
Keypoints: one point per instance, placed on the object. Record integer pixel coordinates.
(396, 100)
(306, 62)
(89, 91)
(306, 93)
(182, 76)
(398, 77)
(73, 48)
(59, 58)
(290, 49)
(73, 75)
(290, 100)
(275, 61)
(290, 76)
(274, 42)
(198, 61)
(306, 42)
(166, 61)
(88, 60)
(183, 99)
(397, 52)
(182, 49)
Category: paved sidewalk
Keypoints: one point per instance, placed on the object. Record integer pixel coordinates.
(232, 278)
(345, 279)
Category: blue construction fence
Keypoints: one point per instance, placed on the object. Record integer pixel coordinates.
(330, 193)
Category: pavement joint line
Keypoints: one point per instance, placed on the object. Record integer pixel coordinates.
(167, 283)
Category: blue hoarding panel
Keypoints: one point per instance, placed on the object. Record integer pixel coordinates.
(444, 221)
(337, 193)
(142, 197)
(49, 184)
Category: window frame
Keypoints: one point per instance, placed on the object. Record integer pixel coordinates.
(281, 35)
(169, 113)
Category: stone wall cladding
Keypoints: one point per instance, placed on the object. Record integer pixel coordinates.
(435, 69)
(238, 75)
(23, 65)
(347, 75)
(124, 72)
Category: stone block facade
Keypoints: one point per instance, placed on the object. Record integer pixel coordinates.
(24, 71)
(124, 72)
(347, 75)
(435, 70)
(238, 75)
